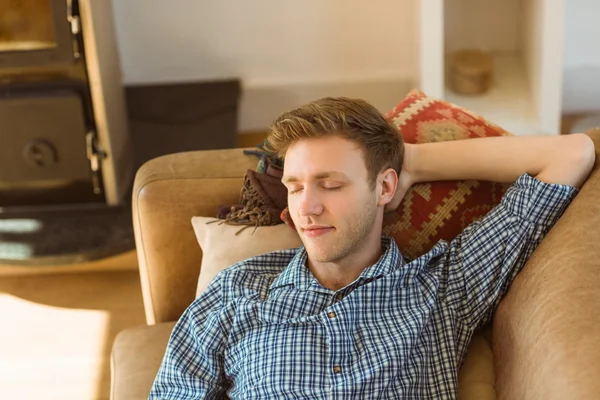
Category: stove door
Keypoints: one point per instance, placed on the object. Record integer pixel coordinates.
(43, 150)
(36, 33)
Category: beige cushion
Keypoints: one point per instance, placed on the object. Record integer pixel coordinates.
(221, 247)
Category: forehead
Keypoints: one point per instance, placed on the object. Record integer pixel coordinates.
(310, 157)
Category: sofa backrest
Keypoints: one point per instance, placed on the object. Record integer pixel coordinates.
(168, 191)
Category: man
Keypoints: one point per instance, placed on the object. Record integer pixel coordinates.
(345, 315)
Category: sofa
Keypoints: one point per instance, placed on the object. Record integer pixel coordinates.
(543, 342)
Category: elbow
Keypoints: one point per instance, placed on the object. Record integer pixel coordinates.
(581, 156)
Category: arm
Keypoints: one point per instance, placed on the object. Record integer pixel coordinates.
(553, 159)
(193, 363)
(485, 258)
(564, 159)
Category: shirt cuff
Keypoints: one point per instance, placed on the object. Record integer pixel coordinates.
(538, 202)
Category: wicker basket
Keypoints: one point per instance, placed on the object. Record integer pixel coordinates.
(471, 72)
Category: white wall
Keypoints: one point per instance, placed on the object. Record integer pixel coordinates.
(290, 52)
(582, 56)
(582, 33)
(294, 50)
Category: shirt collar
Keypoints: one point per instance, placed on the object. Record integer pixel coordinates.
(390, 260)
(298, 274)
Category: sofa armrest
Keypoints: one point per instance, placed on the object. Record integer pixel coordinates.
(168, 191)
(135, 359)
(546, 329)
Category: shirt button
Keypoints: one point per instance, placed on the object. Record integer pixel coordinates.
(331, 314)
(337, 369)
(339, 296)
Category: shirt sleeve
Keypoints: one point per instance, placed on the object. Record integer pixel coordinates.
(192, 367)
(486, 257)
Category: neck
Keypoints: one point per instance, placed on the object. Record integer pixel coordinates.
(340, 273)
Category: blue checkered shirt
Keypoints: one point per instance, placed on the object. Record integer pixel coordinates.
(266, 329)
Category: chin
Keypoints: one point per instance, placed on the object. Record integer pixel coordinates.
(317, 254)
(322, 255)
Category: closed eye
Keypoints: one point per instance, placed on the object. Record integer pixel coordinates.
(328, 188)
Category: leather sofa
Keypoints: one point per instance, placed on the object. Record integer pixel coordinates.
(543, 342)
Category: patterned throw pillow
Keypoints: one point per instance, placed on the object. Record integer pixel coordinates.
(438, 210)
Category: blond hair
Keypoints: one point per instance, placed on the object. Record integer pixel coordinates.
(352, 119)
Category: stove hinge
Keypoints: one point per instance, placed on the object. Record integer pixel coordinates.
(95, 154)
(75, 23)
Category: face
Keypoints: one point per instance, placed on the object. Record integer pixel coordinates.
(329, 198)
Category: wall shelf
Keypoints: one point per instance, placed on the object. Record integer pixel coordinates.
(525, 38)
(508, 101)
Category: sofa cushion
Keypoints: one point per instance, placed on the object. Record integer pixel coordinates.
(438, 210)
(222, 245)
(476, 378)
(135, 359)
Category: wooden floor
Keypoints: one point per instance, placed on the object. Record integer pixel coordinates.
(57, 332)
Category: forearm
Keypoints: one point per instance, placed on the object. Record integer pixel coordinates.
(553, 159)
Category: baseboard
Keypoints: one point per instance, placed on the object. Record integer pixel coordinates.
(262, 103)
(121, 262)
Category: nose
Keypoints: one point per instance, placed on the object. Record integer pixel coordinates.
(310, 203)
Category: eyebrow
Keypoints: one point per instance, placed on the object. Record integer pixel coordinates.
(319, 176)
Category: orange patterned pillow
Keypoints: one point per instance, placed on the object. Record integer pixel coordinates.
(438, 210)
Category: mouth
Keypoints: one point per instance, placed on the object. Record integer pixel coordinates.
(316, 232)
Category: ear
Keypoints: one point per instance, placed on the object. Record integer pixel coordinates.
(387, 182)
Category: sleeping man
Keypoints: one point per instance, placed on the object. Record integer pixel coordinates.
(346, 316)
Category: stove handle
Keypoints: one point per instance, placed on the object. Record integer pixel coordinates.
(94, 154)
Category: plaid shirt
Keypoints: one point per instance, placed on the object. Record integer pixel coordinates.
(266, 329)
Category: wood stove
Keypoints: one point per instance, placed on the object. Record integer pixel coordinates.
(63, 131)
